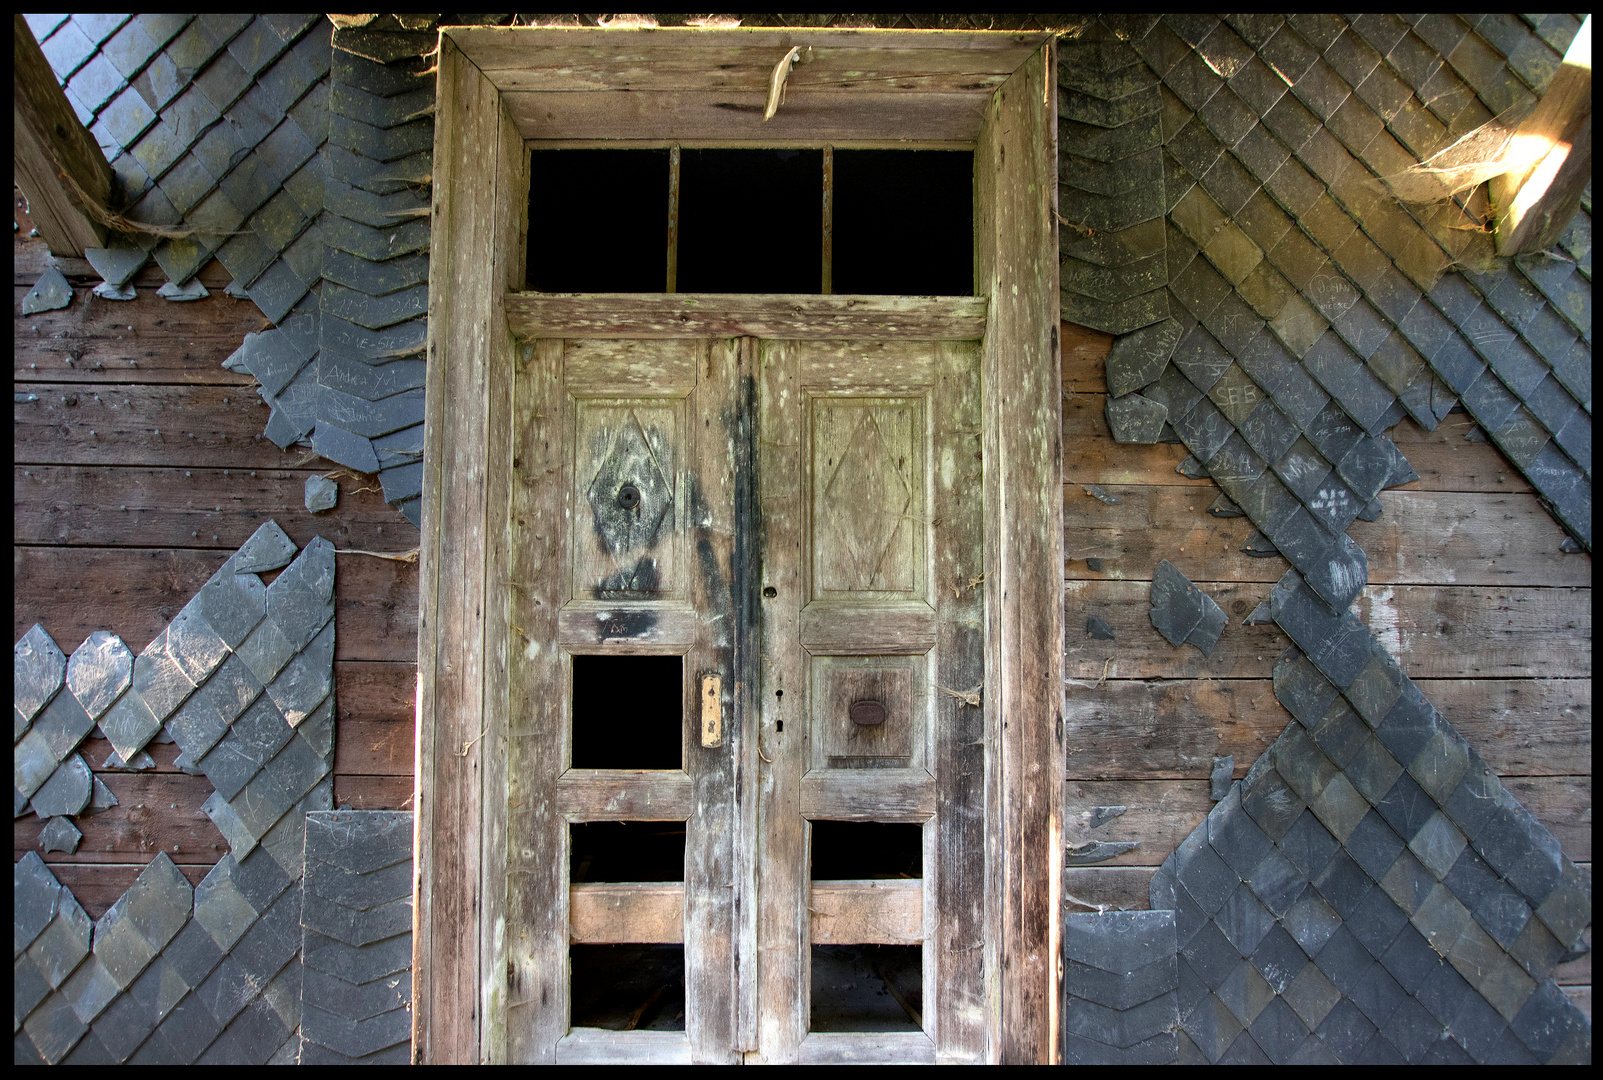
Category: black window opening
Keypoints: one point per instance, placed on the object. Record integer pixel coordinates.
(628, 712)
(626, 851)
(787, 221)
(872, 988)
(864, 850)
(627, 987)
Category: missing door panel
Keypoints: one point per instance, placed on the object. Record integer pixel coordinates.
(611, 851)
(862, 850)
(628, 712)
(867, 988)
(628, 987)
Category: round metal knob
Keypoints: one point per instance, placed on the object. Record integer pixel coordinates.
(628, 496)
(867, 713)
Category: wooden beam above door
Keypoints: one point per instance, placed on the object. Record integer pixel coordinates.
(691, 315)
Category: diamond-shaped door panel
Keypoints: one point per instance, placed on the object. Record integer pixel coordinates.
(868, 519)
(625, 465)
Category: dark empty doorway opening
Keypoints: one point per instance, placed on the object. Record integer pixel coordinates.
(861, 850)
(628, 987)
(618, 851)
(867, 988)
(768, 221)
(628, 712)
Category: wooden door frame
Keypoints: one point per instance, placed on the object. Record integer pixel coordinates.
(461, 985)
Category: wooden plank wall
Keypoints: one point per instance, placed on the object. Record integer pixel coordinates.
(133, 481)
(1467, 588)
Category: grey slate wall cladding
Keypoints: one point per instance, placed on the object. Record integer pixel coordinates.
(1370, 892)
(1311, 310)
(1120, 977)
(235, 127)
(356, 991)
(242, 681)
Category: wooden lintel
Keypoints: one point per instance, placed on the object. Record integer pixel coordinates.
(802, 317)
(1536, 201)
(58, 165)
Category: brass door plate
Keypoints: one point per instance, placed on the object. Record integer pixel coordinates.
(712, 710)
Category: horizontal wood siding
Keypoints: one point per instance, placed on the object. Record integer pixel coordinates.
(137, 471)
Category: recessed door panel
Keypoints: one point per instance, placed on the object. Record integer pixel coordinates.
(866, 475)
(627, 456)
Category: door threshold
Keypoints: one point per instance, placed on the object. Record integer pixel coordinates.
(867, 1048)
(598, 1046)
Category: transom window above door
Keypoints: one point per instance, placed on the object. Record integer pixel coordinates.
(790, 220)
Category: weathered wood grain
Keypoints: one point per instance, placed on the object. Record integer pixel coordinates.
(1435, 631)
(170, 426)
(867, 1048)
(1421, 537)
(144, 340)
(623, 795)
(372, 747)
(55, 160)
(373, 792)
(475, 222)
(134, 593)
(1125, 729)
(109, 506)
(601, 914)
(799, 317)
(595, 1046)
(784, 971)
(157, 811)
(1024, 469)
(868, 795)
(866, 912)
(736, 116)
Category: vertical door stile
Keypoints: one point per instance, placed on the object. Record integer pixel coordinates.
(709, 496)
(958, 929)
(537, 863)
(783, 968)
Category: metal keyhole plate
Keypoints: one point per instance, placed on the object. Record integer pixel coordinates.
(628, 496)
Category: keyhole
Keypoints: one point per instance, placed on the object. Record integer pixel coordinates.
(628, 496)
(770, 592)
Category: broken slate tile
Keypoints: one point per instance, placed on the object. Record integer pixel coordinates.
(1137, 359)
(321, 494)
(267, 549)
(50, 293)
(1219, 781)
(100, 669)
(1097, 629)
(59, 834)
(66, 792)
(1177, 605)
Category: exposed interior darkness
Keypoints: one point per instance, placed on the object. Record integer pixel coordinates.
(859, 850)
(628, 712)
(750, 221)
(598, 220)
(867, 988)
(615, 851)
(904, 222)
(628, 987)
(889, 222)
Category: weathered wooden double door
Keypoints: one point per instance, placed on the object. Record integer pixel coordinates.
(800, 522)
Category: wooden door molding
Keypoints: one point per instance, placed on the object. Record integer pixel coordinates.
(464, 991)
